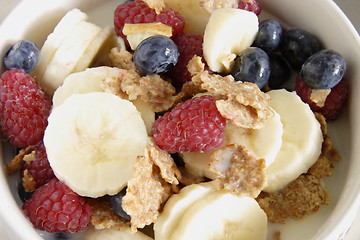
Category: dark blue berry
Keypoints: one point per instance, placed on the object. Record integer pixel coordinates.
(252, 65)
(155, 54)
(23, 195)
(297, 45)
(23, 55)
(269, 35)
(280, 71)
(116, 201)
(323, 70)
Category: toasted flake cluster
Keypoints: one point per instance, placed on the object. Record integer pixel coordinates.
(104, 216)
(148, 190)
(245, 175)
(299, 198)
(243, 103)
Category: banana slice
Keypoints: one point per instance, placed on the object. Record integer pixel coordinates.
(92, 141)
(262, 143)
(175, 207)
(196, 17)
(302, 140)
(93, 49)
(228, 32)
(115, 234)
(68, 55)
(211, 214)
(55, 39)
(91, 80)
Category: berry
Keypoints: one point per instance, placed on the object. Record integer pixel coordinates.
(23, 195)
(39, 167)
(192, 126)
(334, 103)
(280, 71)
(139, 12)
(22, 55)
(269, 35)
(252, 65)
(24, 109)
(157, 54)
(188, 46)
(116, 201)
(323, 70)
(54, 207)
(297, 45)
(251, 6)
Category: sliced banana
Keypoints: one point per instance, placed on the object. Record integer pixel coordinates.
(92, 141)
(228, 32)
(55, 39)
(301, 141)
(115, 234)
(91, 80)
(203, 213)
(262, 143)
(72, 47)
(175, 207)
(196, 17)
(68, 55)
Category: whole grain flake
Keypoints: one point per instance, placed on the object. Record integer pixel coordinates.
(243, 103)
(149, 189)
(244, 174)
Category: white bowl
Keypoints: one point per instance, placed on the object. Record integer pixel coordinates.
(321, 17)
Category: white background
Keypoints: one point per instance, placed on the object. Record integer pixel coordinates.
(351, 9)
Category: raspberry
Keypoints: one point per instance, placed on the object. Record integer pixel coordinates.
(139, 12)
(334, 103)
(24, 109)
(188, 46)
(39, 167)
(54, 207)
(192, 126)
(251, 6)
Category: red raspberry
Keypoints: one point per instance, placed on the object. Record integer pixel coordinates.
(24, 109)
(334, 102)
(188, 46)
(251, 6)
(54, 207)
(39, 167)
(192, 126)
(139, 12)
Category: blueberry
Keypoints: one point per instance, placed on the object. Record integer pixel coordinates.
(23, 195)
(116, 201)
(297, 45)
(155, 54)
(252, 65)
(23, 55)
(269, 35)
(280, 71)
(323, 70)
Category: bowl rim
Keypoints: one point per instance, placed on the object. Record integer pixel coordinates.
(346, 207)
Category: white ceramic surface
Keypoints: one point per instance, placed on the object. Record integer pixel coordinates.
(335, 31)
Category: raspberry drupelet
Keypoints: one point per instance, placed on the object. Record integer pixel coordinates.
(24, 109)
(192, 126)
(251, 6)
(54, 207)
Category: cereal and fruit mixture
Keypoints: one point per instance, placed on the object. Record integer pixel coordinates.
(171, 123)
